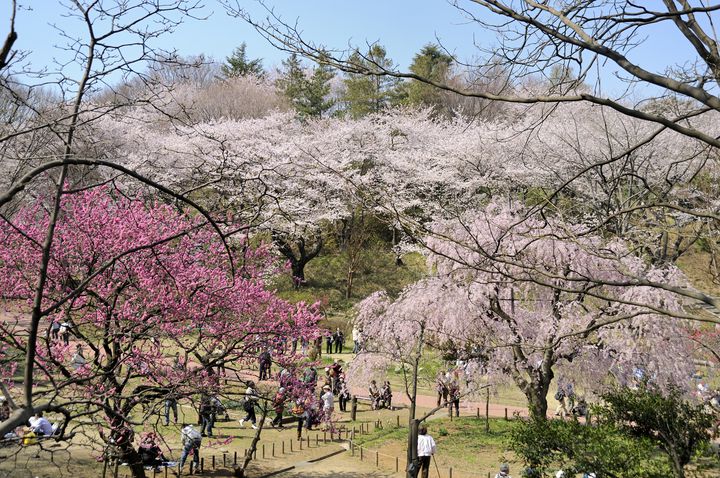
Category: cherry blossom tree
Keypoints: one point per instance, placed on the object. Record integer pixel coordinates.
(530, 302)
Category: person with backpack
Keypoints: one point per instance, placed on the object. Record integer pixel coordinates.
(279, 407)
(561, 410)
(249, 406)
(191, 440)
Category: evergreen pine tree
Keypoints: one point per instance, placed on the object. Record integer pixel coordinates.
(365, 94)
(431, 63)
(238, 64)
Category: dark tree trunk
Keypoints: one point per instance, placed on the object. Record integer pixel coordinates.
(129, 455)
(298, 254)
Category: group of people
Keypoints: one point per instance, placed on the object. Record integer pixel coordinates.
(334, 340)
(447, 386)
(569, 404)
(380, 397)
(37, 427)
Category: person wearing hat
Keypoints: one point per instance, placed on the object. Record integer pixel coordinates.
(328, 405)
(425, 450)
(504, 471)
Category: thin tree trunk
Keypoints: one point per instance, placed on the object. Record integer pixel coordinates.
(253, 444)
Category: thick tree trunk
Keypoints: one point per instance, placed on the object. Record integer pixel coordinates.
(130, 456)
(297, 254)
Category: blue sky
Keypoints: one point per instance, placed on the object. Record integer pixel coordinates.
(403, 26)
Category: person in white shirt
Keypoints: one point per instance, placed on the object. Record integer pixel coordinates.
(328, 404)
(191, 440)
(425, 450)
(78, 359)
(40, 425)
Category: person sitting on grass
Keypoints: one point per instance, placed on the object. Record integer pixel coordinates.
(150, 451)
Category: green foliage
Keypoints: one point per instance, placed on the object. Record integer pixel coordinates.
(366, 94)
(679, 428)
(326, 276)
(432, 64)
(238, 65)
(308, 95)
(547, 445)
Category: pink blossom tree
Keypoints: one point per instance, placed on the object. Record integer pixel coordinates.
(136, 278)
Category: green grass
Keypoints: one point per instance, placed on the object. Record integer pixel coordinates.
(461, 443)
(326, 278)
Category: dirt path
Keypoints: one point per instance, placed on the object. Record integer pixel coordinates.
(466, 407)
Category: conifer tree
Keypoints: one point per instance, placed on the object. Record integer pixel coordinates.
(238, 64)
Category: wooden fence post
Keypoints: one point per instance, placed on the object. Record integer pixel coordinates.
(353, 408)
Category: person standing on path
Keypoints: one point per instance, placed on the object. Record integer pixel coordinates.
(356, 340)
(425, 450)
(338, 339)
(328, 404)
(328, 343)
(454, 397)
(265, 362)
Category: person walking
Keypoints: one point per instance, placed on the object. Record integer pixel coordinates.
(191, 440)
(278, 407)
(207, 415)
(249, 406)
(64, 332)
(425, 450)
